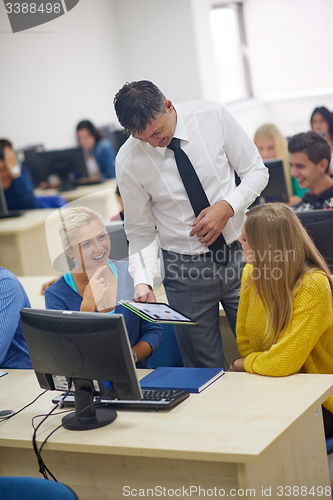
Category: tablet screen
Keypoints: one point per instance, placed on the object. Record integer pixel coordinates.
(158, 311)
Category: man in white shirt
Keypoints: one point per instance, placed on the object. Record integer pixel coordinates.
(156, 203)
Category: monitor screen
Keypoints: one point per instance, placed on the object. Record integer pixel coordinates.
(91, 350)
(28, 160)
(276, 189)
(68, 164)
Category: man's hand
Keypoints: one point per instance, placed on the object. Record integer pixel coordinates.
(10, 158)
(144, 293)
(210, 222)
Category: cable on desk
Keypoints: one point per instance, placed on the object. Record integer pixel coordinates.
(43, 469)
(24, 407)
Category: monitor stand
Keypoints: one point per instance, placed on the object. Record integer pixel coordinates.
(64, 171)
(86, 415)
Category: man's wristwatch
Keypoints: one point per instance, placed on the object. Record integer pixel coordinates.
(135, 356)
(16, 170)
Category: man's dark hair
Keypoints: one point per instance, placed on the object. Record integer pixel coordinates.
(92, 129)
(313, 145)
(137, 104)
(2, 156)
(327, 115)
(5, 143)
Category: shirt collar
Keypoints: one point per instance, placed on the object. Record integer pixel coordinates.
(180, 133)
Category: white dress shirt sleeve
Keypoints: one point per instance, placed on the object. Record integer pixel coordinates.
(140, 227)
(246, 161)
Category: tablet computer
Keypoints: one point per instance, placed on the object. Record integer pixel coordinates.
(157, 312)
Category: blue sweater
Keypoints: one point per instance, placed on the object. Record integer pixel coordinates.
(61, 296)
(105, 158)
(20, 194)
(13, 348)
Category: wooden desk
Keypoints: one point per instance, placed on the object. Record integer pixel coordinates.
(23, 245)
(98, 197)
(32, 285)
(244, 431)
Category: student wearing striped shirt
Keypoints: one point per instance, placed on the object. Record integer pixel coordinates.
(13, 348)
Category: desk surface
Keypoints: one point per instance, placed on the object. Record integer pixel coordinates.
(25, 223)
(238, 418)
(80, 191)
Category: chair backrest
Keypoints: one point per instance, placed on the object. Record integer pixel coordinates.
(119, 243)
(169, 353)
(319, 225)
(31, 488)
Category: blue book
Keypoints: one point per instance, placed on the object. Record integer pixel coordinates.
(181, 378)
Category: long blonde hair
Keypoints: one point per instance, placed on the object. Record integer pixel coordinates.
(282, 254)
(270, 131)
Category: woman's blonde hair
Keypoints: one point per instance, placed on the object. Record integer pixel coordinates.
(270, 131)
(282, 254)
(72, 220)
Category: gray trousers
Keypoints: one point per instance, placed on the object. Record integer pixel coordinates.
(195, 285)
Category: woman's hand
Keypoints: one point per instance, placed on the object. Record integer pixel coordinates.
(95, 291)
(237, 365)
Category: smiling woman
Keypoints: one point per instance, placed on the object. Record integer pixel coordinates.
(96, 284)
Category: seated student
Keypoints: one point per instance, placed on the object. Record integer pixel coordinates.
(100, 154)
(272, 144)
(310, 157)
(285, 314)
(13, 349)
(322, 122)
(17, 183)
(96, 283)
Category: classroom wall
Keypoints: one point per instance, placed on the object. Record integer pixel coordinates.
(157, 43)
(290, 44)
(58, 73)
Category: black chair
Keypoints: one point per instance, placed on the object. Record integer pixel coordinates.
(319, 225)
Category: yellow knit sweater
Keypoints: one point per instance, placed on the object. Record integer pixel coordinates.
(305, 345)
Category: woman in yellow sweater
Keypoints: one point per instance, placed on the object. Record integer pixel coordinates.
(285, 313)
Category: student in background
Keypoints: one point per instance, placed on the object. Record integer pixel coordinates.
(13, 348)
(272, 144)
(17, 184)
(100, 155)
(322, 122)
(96, 284)
(285, 314)
(310, 157)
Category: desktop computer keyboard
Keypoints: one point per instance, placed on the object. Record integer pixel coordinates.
(156, 399)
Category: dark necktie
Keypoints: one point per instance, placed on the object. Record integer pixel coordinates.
(197, 197)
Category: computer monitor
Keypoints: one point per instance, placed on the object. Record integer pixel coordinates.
(68, 164)
(92, 350)
(28, 160)
(116, 136)
(276, 189)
